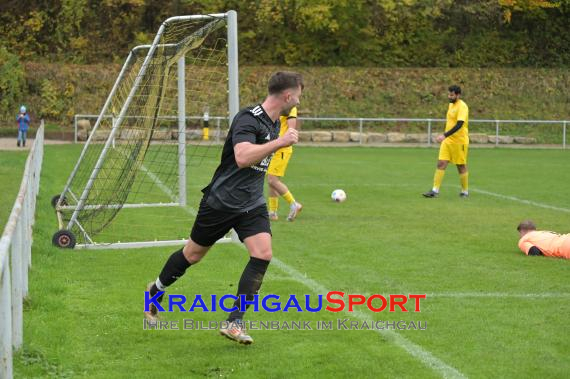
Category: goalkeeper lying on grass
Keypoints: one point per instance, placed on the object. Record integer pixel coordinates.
(536, 242)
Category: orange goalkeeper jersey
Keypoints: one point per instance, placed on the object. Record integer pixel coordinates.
(551, 244)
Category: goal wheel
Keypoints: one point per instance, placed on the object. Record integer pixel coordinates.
(55, 199)
(64, 239)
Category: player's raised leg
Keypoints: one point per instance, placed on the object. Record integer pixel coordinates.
(173, 269)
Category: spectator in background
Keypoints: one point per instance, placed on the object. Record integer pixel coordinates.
(23, 120)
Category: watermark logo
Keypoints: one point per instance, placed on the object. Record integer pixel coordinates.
(333, 301)
(338, 324)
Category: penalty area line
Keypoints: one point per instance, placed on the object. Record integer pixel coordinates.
(518, 200)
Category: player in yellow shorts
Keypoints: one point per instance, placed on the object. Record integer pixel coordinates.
(454, 143)
(277, 169)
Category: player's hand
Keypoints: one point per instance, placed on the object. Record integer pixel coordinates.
(290, 137)
(440, 138)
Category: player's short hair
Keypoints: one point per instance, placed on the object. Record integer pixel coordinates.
(526, 225)
(455, 89)
(282, 80)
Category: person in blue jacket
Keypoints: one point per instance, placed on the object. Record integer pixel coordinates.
(23, 120)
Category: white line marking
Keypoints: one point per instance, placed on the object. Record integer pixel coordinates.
(414, 350)
(190, 210)
(154, 178)
(159, 183)
(513, 198)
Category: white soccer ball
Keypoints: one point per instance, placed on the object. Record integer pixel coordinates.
(338, 195)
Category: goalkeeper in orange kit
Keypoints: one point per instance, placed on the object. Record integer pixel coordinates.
(536, 242)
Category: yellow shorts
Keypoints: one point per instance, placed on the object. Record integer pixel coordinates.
(279, 163)
(453, 152)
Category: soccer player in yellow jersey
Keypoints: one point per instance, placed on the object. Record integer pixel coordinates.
(277, 169)
(454, 143)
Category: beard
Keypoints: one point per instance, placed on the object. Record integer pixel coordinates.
(287, 110)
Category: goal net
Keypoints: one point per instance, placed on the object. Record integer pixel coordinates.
(149, 154)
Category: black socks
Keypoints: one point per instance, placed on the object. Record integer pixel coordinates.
(174, 268)
(249, 284)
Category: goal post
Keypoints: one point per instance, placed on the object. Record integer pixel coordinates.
(137, 153)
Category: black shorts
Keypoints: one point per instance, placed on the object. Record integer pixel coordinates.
(211, 224)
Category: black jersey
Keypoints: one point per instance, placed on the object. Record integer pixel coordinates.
(237, 189)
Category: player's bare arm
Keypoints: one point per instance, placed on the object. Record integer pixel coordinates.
(293, 124)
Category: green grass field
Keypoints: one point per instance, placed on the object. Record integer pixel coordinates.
(490, 311)
(11, 170)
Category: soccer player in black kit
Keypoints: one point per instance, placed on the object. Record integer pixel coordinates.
(234, 198)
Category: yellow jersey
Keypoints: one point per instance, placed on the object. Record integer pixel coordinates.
(458, 111)
(284, 127)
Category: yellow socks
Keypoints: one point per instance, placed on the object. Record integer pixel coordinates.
(464, 179)
(273, 204)
(274, 201)
(289, 197)
(437, 179)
